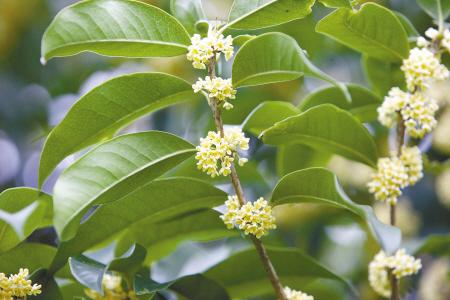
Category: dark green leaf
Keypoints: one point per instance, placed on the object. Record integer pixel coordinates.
(435, 8)
(382, 75)
(318, 185)
(106, 109)
(327, 128)
(114, 28)
(188, 12)
(407, 25)
(373, 30)
(130, 263)
(112, 171)
(50, 290)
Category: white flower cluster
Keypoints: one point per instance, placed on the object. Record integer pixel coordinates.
(202, 50)
(215, 154)
(113, 290)
(399, 265)
(17, 286)
(296, 295)
(434, 35)
(252, 218)
(218, 88)
(394, 173)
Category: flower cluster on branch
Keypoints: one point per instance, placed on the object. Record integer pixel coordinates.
(17, 286)
(296, 295)
(216, 88)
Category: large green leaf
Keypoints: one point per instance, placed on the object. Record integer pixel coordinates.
(318, 185)
(436, 8)
(158, 200)
(22, 210)
(26, 255)
(274, 57)
(364, 103)
(382, 75)
(114, 28)
(327, 128)
(188, 12)
(111, 171)
(436, 244)
(373, 30)
(106, 109)
(163, 237)
(243, 275)
(256, 14)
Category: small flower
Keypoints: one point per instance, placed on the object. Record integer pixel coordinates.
(215, 154)
(202, 50)
(296, 295)
(400, 265)
(393, 103)
(390, 178)
(218, 88)
(445, 42)
(112, 288)
(17, 286)
(252, 218)
(412, 160)
(421, 68)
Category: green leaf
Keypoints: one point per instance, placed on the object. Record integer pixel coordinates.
(382, 75)
(437, 244)
(162, 238)
(114, 28)
(88, 272)
(336, 3)
(373, 30)
(364, 103)
(246, 14)
(243, 275)
(318, 185)
(436, 8)
(131, 262)
(106, 109)
(411, 31)
(26, 255)
(158, 200)
(22, 210)
(188, 12)
(297, 157)
(111, 171)
(327, 128)
(274, 57)
(266, 114)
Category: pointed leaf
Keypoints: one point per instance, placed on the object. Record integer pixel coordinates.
(112, 171)
(114, 28)
(327, 128)
(318, 185)
(188, 12)
(364, 103)
(106, 109)
(373, 30)
(246, 14)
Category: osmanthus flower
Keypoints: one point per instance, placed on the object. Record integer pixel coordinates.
(296, 295)
(412, 160)
(17, 286)
(112, 288)
(399, 265)
(252, 218)
(202, 50)
(215, 154)
(218, 88)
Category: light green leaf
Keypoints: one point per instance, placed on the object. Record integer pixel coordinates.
(297, 157)
(158, 200)
(30, 255)
(364, 103)
(22, 210)
(336, 3)
(106, 109)
(162, 238)
(382, 75)
(436, 8)
(274, 57)
(318, 185)
(246, 14)
(111, 171)
(437, 244)
(266, 114)
(114, 28)
(373, 30)
(188, 12)
(243, 275)
(327, 128)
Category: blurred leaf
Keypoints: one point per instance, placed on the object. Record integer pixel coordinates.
(434, 8)
(113, 170)
(242, 39)
(88, 272)
(106, 109)
(114, 28)
(243, 275)
(336, 3)
(71, 290)
(275, 57)
(50, 290)
(364, 103)
(318, 185)
(158, 200)
(22, 210)
(438, 245)
(188, 12)
(382, 75)
(162, 238)
(246, 14)
(30, 255)
(373, 30)
(131, 262)
(326, 128)
(297, 157)
(411, 31)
